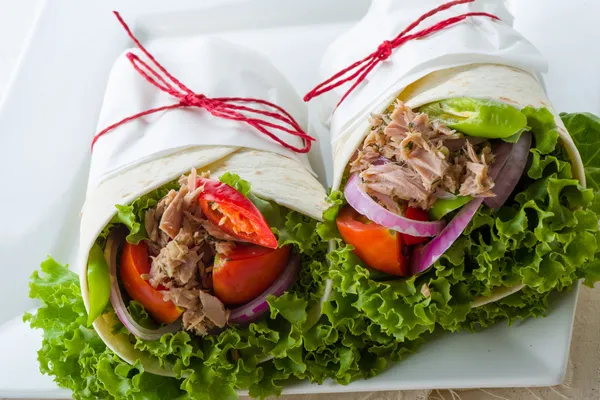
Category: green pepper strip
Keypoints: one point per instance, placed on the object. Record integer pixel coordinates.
(98, 276)
(480, 118)
(442, 207)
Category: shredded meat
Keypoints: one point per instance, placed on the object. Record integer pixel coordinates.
(203, 313)
(401, 119)
(386, 201)
(213, 309)
(431, 166)
(365, 158)
(170, 221)
(182, 244)
(158, 238)
(396, 181)
(477, 182)
(451, 181)
(408, 157)
(185, 298)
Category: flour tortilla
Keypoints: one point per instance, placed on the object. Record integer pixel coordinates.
(483, 81)
(272, 176)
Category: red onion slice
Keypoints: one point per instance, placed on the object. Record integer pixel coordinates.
(365, 205)
(424, 257)
(258, 307)
(501, 154)
(116, 298)
(511, 172)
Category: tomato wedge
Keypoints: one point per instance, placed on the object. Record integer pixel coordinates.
(234, 213)
(377, 246)
(247, 272)
(134, 263)
(418, 215)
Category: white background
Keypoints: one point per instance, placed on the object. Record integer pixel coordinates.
(16, 21)
(542, 21)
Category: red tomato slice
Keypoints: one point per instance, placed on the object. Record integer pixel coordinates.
(418, 215)
(247, 272)
(377, 246)
(134, 263)
(234, 213)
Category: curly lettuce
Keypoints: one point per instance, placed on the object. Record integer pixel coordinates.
(545, 236)
(213, 367)
(74, 354)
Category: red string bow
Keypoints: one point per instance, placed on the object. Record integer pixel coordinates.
(232, 108)
(360, 69)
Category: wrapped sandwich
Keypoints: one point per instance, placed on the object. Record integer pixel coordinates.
(460, 194)
(198, 240)
(197, 251)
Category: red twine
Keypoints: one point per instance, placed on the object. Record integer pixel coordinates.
(384, 51)
(222, 107)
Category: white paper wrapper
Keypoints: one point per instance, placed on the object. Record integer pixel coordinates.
(144, 154)
(208, 66)
(472, 41)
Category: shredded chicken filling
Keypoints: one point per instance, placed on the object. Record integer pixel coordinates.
(182, 243)
(408, 158)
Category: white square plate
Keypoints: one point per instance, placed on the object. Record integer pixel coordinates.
(49, 117)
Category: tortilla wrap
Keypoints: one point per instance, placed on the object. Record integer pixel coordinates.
(272, 176)
(142, 155)
(499, 83)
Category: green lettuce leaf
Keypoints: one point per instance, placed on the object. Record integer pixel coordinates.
(328, 230)
(584, 128)
(75, 355)
(542, 124)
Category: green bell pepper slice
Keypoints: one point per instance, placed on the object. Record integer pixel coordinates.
(441, 207)
(98, 278)
(480, 118)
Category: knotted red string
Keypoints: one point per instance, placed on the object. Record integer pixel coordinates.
(360, 69)
(231, 108)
